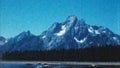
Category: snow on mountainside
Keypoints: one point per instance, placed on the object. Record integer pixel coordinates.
(74, 33)
(71, 34)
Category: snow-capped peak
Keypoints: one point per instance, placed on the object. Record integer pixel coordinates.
(63, 30)
(72, 33)
(71, 18)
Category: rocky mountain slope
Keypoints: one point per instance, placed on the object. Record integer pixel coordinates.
(71, 34)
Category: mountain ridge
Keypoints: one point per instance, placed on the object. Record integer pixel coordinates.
(71, 34)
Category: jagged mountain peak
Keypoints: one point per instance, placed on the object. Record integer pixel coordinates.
(79, 34)
(70, 23)
(71, 18)
(23, 35)
(70, 34)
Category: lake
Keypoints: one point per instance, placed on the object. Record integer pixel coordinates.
(40, 65)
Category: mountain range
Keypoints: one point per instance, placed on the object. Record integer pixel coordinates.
(71, 34)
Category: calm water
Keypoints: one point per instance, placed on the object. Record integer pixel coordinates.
(17, 65)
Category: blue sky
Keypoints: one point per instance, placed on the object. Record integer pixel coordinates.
(17, 16)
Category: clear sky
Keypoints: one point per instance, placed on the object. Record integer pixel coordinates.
(17, 16)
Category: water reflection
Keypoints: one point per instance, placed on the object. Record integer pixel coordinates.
(9, 65)
(16, 65)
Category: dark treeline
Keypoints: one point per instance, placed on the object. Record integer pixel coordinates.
(107, 53)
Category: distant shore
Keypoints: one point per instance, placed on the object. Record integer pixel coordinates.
(63, 62)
